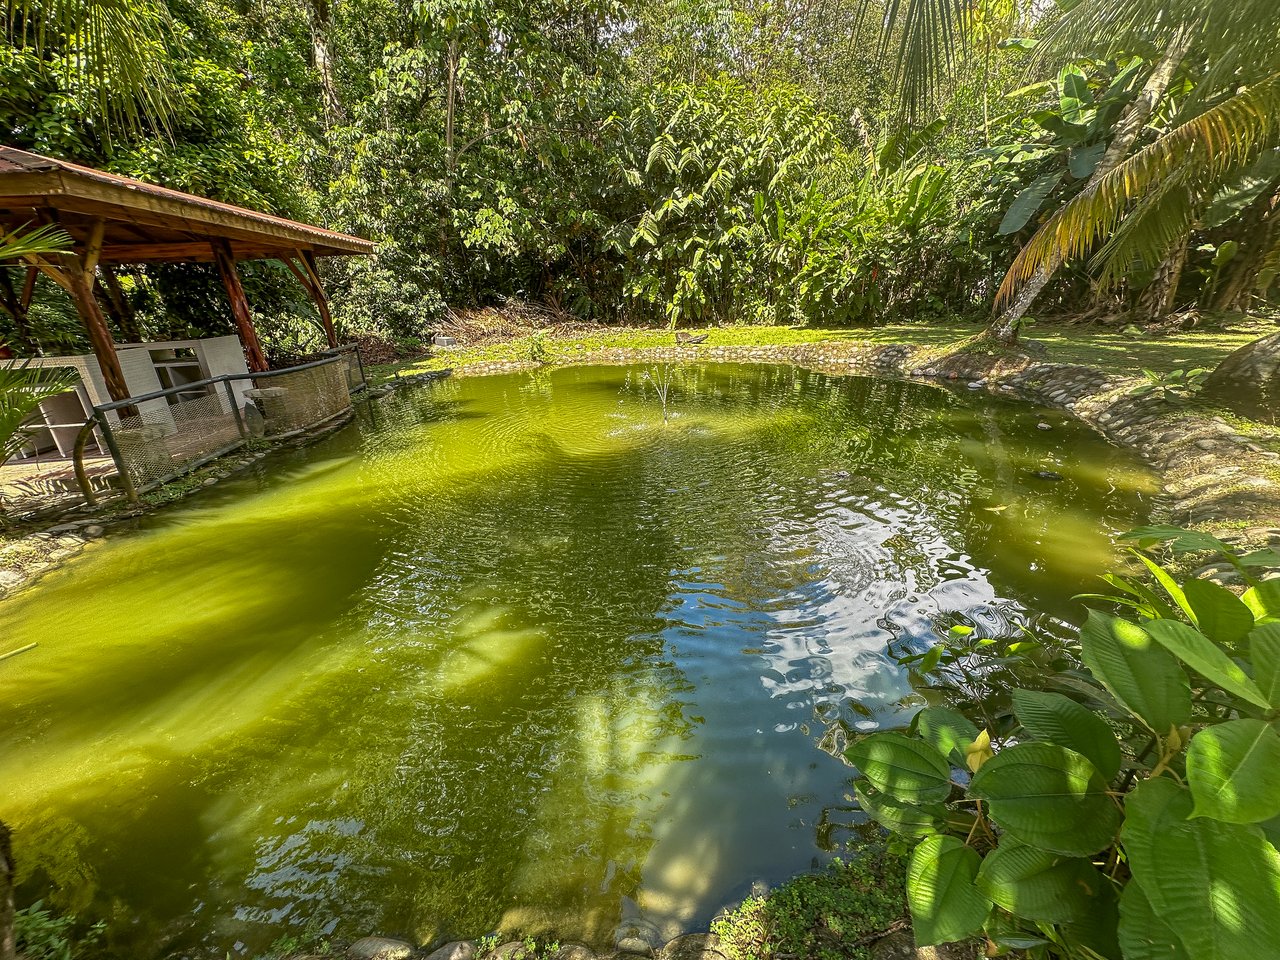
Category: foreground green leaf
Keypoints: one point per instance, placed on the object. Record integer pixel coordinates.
(1264, 601)
(1038, 885)
(1049, 797)
(905, 769)
(947, 731)
(1219, 613)
(1144, 934)
(908, 819)
(1060, 720)
(1218, 883)
(1264, 651)
(1140, 673)
(1233, 770)
(1206, 658)
(945, 904)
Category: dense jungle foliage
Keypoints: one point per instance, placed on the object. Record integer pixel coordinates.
(683, 162)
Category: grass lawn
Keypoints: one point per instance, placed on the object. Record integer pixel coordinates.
(1093, 346)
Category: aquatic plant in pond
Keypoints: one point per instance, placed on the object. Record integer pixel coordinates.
(511, 654)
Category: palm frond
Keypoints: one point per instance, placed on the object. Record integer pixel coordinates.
(24, 242)
(1237, 39)
(929, 34)
(114, 50)
(1221, 140)
(1155, 225)
(21, 389)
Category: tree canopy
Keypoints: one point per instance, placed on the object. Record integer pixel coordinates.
(682, 162)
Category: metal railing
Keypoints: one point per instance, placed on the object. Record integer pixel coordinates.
(158, 436)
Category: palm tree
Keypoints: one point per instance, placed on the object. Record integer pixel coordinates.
(1142, 198)
(113, 50)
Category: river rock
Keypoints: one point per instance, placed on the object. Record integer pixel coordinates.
(515, 950)
(634, 947)
(573, 951)
(379, 948)
(459, 950)
(1043, 426)
(1248, 381)
(93, 531)
(694, 946)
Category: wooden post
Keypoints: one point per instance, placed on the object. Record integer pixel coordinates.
(80, 286)
(316, 289)
(239, 305)
(76, 276)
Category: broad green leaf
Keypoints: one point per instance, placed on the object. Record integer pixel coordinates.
(1049, 797)
(1206, 658)
(947, 731)
(1264, 601)
(1219, 882)
(907, 770)
(945, 904)
(1219, 613)
(1264, 651)
(1060, 720)
(1144, 935)
(1175, 592)
(908, 819)
(1140, 673)
(1183, 541)
(1081, 161)
(1038, 885)
(1261, 558)
(1026, 203)
(1233, 770)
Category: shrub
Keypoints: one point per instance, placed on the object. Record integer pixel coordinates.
(826, 916)
(1124, 802)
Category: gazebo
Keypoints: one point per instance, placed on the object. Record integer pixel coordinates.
(115, 220)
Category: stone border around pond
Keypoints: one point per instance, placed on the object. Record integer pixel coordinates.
(689, 946)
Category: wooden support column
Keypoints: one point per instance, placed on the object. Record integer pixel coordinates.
(307, 274)
(80, 287)
(76, 276)
(239, 305)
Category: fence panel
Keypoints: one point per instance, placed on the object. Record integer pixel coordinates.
(155, 442)
(159, 444)
(293, 400)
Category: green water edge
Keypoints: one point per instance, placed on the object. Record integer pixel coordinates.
(518, 653)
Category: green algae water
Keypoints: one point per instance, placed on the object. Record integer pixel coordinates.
(543, 653)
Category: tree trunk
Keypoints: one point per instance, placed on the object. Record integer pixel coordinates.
(8, 938)
(17, 303)
(1004, 328)
(1259, 237)
(321, 18)
(1161, 297)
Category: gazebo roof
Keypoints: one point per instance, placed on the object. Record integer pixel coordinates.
(144, 223)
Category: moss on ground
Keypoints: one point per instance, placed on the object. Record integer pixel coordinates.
(835, 915)
(1125, 353)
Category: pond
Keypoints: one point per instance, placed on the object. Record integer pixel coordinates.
(519, 652)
